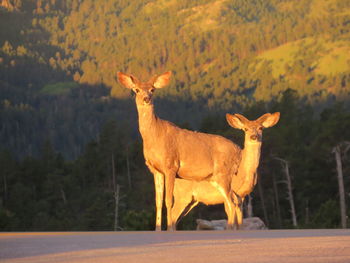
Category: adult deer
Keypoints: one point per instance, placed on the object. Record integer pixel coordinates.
(187, 194)
(170, 150)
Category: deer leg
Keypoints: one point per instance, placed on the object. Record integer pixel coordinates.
(159, 190)
(177, 209)
(239, 212)
(228, 203)
(194, 204)
(180, 205)
(169, 190)
(233, 214)
(238, 208)
(183, 200)
(239, 215)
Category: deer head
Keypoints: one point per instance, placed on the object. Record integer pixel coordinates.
(144, 90)
(253, 129)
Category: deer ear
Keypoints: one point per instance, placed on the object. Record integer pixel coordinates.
(128, 81)
(162, 80)
(234, 121)
(269, 120)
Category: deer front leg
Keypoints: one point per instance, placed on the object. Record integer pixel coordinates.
(182, 206)
(238, 208)
(239, 216)
(169, 191)
(229, 205)
(181, 202)
(159, 191)
(239, 212)
(229, 213)
(179, 206)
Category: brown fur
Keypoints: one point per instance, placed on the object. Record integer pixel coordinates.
(170, 150)
(187, 194)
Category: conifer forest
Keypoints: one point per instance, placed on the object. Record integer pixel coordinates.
(71, 155)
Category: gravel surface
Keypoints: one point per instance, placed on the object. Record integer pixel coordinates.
(282, 246)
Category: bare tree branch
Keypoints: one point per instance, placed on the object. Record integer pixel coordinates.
(288, 181)
(337, 153)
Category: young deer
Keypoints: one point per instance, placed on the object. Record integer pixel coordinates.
(187, 194)
(171, 151)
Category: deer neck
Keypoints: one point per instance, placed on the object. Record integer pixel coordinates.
(147, 120)
(245, 179)
(250, 157)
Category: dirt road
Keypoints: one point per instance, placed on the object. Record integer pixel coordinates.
(282, 246)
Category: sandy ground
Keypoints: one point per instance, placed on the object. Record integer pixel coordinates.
(282, 246)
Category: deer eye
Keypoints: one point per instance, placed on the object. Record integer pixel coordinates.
(152, 90)
(245, 129)
(260, 128)
(137, 90)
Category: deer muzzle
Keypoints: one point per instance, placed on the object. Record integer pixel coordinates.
(256, 137)
(147, 100)
(253, 137)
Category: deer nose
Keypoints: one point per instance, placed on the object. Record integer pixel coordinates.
(253, 137)
(147, 99)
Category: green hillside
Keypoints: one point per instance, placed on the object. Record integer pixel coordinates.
(328, 58)
(205, 43)
(211, 44)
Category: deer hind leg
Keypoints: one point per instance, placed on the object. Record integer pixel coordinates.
(159, 191)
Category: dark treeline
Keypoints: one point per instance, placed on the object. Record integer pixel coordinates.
(49, 192)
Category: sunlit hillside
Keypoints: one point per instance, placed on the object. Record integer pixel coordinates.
(327, 58)
(209, 45)
(225, 55)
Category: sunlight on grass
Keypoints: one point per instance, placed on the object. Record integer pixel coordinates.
(345, 12)
(321, 8)
(203, 17)
(285, 6)
(281, 57)
(327, 58)
(335, 62)
(160, 4)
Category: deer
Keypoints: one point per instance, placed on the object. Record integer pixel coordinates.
(170, 151)
(188, 194)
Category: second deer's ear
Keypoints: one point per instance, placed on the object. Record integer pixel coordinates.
(128, 81)
(270, 119)
(234, 121)
(162, 80)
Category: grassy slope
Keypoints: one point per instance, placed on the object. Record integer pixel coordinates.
(159, 35)
(322, 55)
(328, 58)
